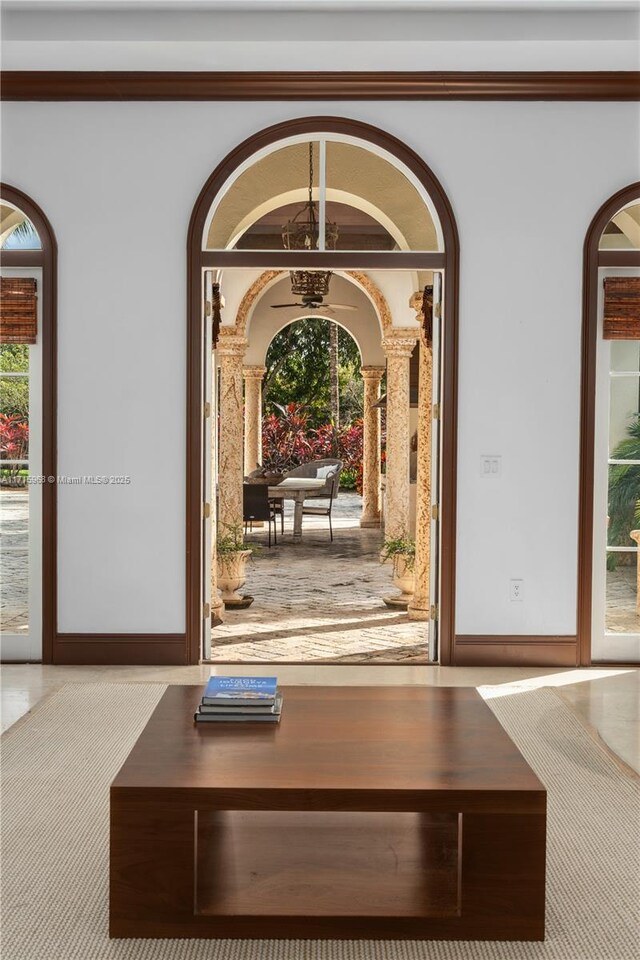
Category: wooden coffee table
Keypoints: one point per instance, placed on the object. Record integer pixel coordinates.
(368, 812)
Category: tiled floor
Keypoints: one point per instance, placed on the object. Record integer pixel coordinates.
(332, 609)
(317, 601)
(605, 700)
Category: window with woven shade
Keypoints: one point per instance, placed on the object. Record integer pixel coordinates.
(621, 308)
(18, 310)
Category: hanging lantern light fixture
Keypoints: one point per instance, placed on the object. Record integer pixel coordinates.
(302, 233)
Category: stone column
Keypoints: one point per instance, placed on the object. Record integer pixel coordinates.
(398, 347)
(231, 350)
(252, 417)
(217, 606)
(371, 448)
(418, 607)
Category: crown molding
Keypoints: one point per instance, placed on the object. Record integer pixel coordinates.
(63, 85)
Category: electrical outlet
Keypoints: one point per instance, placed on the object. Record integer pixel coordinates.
(490, 466)
(516, 591)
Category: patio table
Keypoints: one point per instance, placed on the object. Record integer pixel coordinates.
(296, 489)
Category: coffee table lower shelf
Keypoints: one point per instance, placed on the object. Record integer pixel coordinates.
(177, 871)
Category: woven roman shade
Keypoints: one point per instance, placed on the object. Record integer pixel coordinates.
(621, 308)
(18, 310)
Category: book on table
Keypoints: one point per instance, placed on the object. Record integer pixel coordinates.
(240, 699)
(240, 691)
(271, 714)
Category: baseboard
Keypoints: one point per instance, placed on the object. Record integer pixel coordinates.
(515, 651)
(162, 649)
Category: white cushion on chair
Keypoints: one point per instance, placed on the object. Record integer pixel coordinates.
(322, 473)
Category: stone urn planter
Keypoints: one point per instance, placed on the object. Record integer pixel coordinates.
(231, 576)
(403, 576)
(401, 551)
(232, 554)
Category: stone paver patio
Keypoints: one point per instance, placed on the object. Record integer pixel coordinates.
(14, 561)
(318, 601)
(622, 616)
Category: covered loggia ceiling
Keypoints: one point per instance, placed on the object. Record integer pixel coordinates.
(623, 231)
(366, 194)
(10, 218)
(358, 230)
(386, 292)
(362, 323)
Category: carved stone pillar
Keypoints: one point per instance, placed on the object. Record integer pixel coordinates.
(371, 448)
(398, 347)
(252, 417)
(418, 607)
(231, 350)
(217, 606)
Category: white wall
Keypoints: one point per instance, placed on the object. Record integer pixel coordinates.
(263, 35)
(118, 182)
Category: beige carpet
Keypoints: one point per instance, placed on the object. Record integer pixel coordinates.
(57, 765)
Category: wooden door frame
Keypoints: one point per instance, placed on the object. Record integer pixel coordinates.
(47, 259)
(593, 260)
(449, 261)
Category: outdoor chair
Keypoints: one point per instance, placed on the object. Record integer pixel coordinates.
(324, 511)
(257, 506)
(277, 505)
(320, 468)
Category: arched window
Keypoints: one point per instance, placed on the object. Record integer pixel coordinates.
(17, 232)
(353, 197)
(609, 598)
(28, 410)
(623, 229)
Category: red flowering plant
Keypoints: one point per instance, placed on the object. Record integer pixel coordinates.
(350, 441)
(285, 440)
(288, 441)
(14, 443)
(325, 442)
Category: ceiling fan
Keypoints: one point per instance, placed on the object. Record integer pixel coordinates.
(314, 302)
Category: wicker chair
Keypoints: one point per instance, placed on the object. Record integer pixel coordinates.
(311, 470)
(331, 469)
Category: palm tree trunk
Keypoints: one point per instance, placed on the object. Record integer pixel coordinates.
(333, 373)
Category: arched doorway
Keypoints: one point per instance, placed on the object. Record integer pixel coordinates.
(230, 229)
(33, 258)
(608, 613)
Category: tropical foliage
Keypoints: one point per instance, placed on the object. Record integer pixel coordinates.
(14, 391)
(230, 540)
(624, 492)
(14, 445)
(399, 546)
(289, 439)
(299, 371)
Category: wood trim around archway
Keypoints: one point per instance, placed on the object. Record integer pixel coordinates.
(47, 259)
(593, 259)
(450, 262)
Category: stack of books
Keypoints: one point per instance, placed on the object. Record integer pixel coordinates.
(239, 699)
